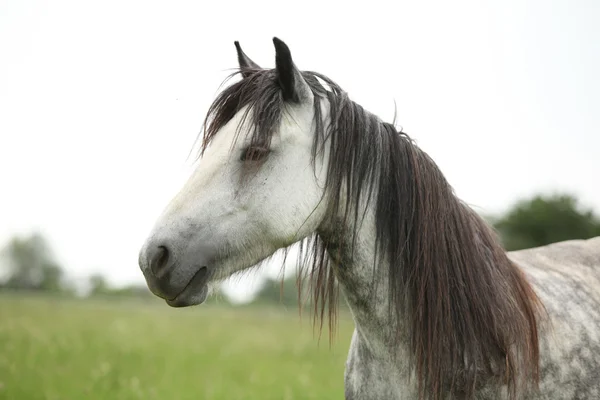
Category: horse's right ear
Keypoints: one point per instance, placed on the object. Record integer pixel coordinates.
(247, 66)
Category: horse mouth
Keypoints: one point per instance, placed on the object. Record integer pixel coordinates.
(194, 293)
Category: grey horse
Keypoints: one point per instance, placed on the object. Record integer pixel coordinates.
(441, 310)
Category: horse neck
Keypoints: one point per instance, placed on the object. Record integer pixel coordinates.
(363, 281)
(388, 334)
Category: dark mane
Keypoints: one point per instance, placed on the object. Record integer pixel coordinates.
(471, 314)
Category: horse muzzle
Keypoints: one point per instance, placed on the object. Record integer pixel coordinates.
(179, 285)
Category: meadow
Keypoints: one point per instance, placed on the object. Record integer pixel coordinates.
(56, 348)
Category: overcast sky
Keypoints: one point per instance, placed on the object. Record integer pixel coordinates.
(100, 102)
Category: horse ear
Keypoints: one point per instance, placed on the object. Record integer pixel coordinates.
(292, 83)
(246, 64)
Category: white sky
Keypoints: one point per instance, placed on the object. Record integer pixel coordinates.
(100, 102)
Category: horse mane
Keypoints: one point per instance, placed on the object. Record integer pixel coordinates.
(469, 311)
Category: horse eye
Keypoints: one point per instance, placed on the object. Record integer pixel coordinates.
(254, 154)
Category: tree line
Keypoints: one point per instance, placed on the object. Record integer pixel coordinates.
(29, 264)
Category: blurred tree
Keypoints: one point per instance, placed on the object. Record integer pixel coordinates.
(286, 293)
(547, 219)
(98, 285)
(29, 264)
(278, 292)
(52, 278)
(131, 291)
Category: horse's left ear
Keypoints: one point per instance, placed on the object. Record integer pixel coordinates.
(246, 64)
(292, 83)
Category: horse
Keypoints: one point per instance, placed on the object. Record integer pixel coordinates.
(441, 310)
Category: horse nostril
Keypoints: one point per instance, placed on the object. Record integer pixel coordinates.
(159, 259)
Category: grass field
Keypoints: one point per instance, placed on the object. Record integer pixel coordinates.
(52, 348)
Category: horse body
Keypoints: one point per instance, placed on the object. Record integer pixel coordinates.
(441, 310)
(565, 275)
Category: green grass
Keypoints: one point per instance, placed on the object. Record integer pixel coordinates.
(52, 348)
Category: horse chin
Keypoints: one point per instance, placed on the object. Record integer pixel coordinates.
(192, 296)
